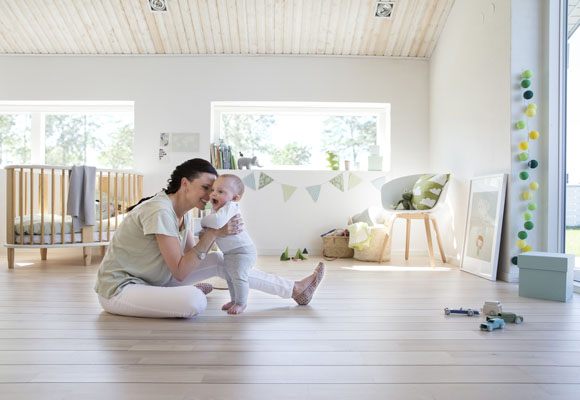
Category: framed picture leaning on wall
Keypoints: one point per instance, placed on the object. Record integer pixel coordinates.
(483, 227)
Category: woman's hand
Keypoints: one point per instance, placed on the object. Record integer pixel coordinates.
(233, 227)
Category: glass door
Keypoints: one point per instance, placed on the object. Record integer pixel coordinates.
(573, 136)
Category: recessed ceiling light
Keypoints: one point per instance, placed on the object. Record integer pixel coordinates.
(158, 5)
(384, 9)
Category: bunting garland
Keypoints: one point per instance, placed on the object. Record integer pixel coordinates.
(353, 180)
(250, 181)
(379, 182)
(265, 180)
(339, 181)
(288, 191)
(314, 191)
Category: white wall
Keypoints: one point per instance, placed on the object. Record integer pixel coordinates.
(470, 104)
(173, 94)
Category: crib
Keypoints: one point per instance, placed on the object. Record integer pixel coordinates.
(36, 201)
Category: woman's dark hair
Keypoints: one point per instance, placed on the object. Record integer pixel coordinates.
(191, 169)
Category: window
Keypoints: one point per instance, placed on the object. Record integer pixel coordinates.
(298, 135)
(67, 133)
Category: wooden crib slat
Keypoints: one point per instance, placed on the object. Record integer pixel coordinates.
(101, 206)
(10, 214)
(62, 184)
(21, 205)
(31, 206)
(140, 187)
(72, 226)
(116, 200)
(10, 205)
(52, 198)
(25, 192)
(108, 203)
(41, 194)
(123, 207)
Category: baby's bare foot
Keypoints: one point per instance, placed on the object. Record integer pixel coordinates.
(236, 309)
(227, 306)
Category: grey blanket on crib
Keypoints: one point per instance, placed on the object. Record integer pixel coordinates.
(81, 196)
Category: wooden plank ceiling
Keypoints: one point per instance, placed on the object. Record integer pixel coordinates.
(321, 27)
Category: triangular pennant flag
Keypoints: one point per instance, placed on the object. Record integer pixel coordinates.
(338, 181)
(265, 180)
(288, 191)
(314, 192)
(250, 181)
(378, 183)
(353, 180)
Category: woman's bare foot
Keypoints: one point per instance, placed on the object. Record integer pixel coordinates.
(236, 309)
(304, 289)
(227, 306)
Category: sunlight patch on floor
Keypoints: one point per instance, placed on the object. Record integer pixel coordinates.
(396, 268)
(21, 264)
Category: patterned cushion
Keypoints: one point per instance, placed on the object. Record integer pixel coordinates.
(427, 190)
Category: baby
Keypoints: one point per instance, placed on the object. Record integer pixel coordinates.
(239, 251)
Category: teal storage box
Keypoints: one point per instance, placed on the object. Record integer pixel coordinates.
(548, 276)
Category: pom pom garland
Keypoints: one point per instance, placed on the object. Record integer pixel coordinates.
(529, 111)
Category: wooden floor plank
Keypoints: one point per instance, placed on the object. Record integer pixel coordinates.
(372, 332)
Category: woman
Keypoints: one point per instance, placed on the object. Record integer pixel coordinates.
(152, 261)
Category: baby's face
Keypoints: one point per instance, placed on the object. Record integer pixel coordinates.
(222, 191)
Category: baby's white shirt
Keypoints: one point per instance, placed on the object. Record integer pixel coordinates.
(217, 219)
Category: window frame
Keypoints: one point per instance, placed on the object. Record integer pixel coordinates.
(39, 109)
(382, 111)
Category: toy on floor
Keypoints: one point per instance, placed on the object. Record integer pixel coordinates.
(469, 312)
(305, 253)
(511, 317)
(299, 256)
(285, 256)
(491, 324)
(492, 308)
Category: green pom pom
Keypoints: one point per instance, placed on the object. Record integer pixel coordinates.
(524, 175)
(526, 83)
(515, 260)
(529, 225)
(532, 206)
(527, 215)
(533, 164)
(521, 124)
(528, 94)
(524, 156)
(522, 235)
(527, 73)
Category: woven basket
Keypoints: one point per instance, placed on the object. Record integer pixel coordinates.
(334, 247)
(379, 234)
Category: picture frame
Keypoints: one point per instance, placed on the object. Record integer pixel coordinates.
(483, 225)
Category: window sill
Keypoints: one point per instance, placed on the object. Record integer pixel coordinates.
(227, 171)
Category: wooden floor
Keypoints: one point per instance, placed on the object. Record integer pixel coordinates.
(372, 332)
